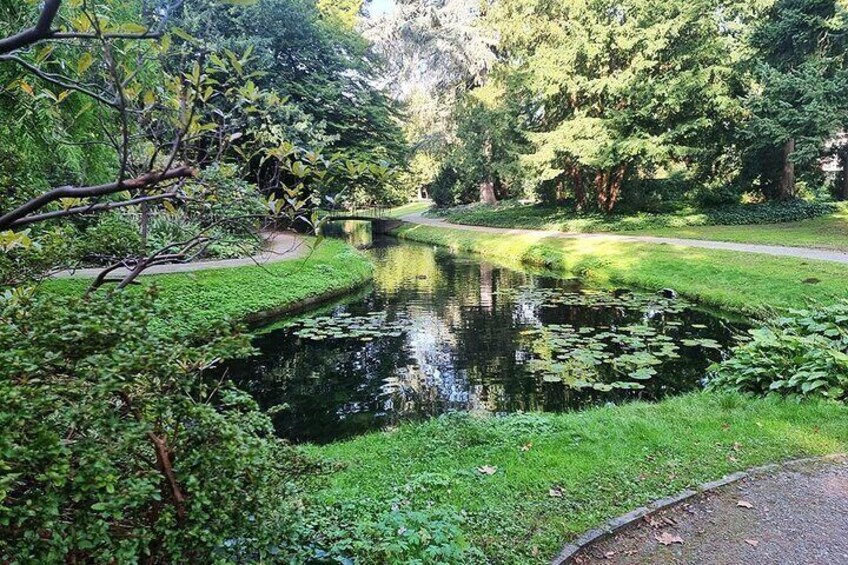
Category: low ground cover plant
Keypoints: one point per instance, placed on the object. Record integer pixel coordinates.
(803, 353)
(516, 215)
(118, 446)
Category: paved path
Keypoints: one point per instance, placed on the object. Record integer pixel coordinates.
(280, 247)
(800, 252)
(797, 516)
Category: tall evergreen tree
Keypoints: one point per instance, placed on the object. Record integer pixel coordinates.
(797, 99)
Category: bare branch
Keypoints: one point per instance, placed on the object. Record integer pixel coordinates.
(44, 31)
(91, 209)
(144, 181)
(41, 31)
(59, 81)
(110, 35)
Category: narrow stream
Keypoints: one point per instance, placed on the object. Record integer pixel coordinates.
(442, 332)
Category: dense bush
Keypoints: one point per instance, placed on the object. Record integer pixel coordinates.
(653, 195)
(119, 445)
(514, 214)
(444, 188)
(767, 213)
(804, 353)
(113, 237)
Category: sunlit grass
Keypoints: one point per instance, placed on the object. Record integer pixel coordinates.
(416, 207)
(192, 301)
(604, 461)
(744, 282)
(826, 232)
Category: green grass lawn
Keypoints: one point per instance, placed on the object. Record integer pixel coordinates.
(190, 301)
(412, 208)
(553, 476)
(745, 283)
(558, 475)
(829, 231)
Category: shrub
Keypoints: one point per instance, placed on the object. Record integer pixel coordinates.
(804, 353)
(443, 189)
(230, 197)
(768, 213)
(114, 236)
(119, 445)
(169, 229)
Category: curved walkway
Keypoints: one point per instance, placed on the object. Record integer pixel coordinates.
(280, 246)
(793, 515)
(780, 251)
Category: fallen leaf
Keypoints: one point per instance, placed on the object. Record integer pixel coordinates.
(752, 542)
(527, 446)
(487, 470)
(653, 523)
(667, 538)
(744, 504)
(725, 426)
(609, 554)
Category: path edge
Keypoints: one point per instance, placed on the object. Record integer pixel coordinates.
(619, 523)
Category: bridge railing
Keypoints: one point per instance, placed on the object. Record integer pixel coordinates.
(370, 213)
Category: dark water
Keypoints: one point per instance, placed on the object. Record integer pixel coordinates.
(443, 332)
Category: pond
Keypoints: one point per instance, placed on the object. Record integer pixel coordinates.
(441, 332)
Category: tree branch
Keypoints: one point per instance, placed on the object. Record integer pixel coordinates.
(90, 209)
(60, 81)
(144, 181)
(41, 31)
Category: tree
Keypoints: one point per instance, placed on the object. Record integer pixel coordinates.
(166, 105)
(620, 89)
(323, 76)
(799, 77)
(484, 161)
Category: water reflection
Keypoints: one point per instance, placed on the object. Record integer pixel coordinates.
(468, 344)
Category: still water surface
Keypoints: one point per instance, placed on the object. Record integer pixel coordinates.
(442, 332)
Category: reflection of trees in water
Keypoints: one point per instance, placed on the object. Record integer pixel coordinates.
(463, 350)
(332, 390)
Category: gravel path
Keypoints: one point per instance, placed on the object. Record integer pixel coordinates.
(800, 252)
(793, 516)
(280, 247)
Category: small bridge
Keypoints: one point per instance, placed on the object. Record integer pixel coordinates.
(381, 221)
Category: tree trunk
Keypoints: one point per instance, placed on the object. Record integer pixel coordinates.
(579, 190)
(145, 222)
(487, 192)
(608, 185)
(844, 192)
(786, 185)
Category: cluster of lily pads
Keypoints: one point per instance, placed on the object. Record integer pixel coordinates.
(622, 299)
(346, 326)
(608, 358)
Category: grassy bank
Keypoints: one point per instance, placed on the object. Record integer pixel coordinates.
(412, 208)
(743, 282)
(768, 225)
(190, 301)
(558, 475)
(827, 232)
